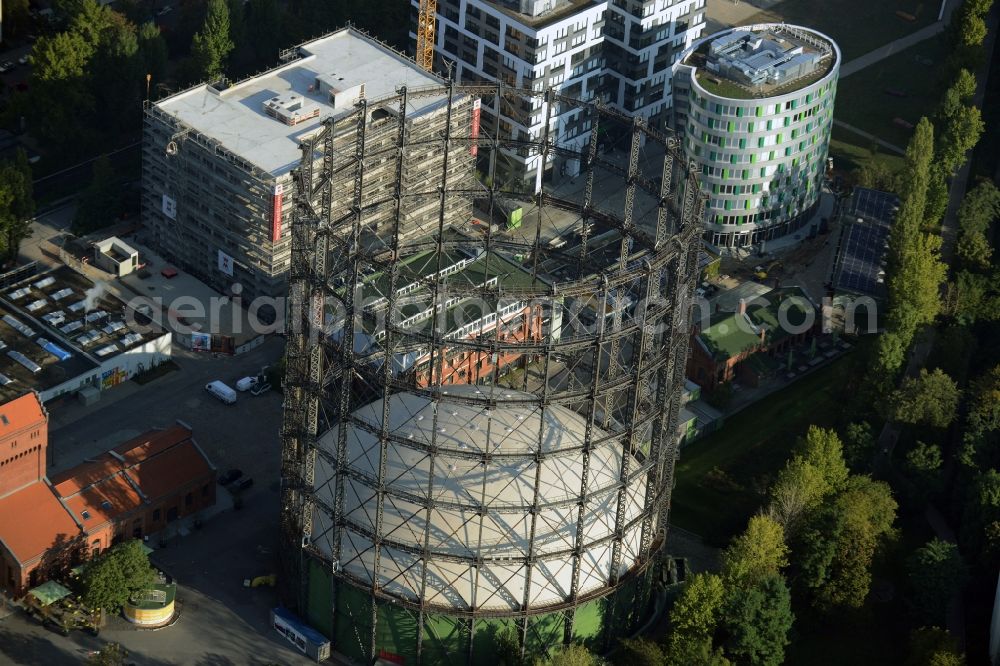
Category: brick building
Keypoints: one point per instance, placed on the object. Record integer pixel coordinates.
(138, 488)
(744, 344)
(132, 491)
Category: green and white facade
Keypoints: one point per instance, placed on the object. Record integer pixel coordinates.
(754, 106)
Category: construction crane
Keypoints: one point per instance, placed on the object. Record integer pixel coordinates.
(426, 22)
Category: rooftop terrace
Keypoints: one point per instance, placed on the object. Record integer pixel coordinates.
(762, 60)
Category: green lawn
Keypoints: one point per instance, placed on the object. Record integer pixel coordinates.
(858, 26)
(862, 99)
(851, 151)
(749, 449)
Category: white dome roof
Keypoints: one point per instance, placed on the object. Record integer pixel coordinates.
(478, 511)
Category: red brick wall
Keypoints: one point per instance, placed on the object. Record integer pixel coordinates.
(468, 367)
(22, 456)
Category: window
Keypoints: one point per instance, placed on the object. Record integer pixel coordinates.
(188, 499)
(204, 490)
(156, 516)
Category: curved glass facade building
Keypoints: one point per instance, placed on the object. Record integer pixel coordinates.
(755, 107)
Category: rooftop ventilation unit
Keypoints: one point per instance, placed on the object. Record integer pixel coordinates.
(114, 327)
(35, 306)
(4, 380)
(131, 339)
(61, 294)
(79, 305)
(71, 327)
(95, 316)
(290, 108)
(54, 318)
(19, 293)
(44, 282)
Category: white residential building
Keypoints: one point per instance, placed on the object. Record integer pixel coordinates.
(619, 51)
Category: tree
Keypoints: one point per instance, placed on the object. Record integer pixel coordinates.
(508, 647)
(961, 91)
(915, 285)
(264, 27)
(695, 617)
(930, 399)
(834, 553)
(760, 552)
(823, 449)
(212, 45)
(112, 578)
(152, 52)
(982, 514)
(757, 622)
(112, 654)
(99, 202)
(58, 85)
(859, 445)
(984, 406)
(799, 488)
(936, 572)
(933, 646)
(17, 204)
(642, 652)
(979, 208)
(570, 655)
(923, 462)
(16, 18)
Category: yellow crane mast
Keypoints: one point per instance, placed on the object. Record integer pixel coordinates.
(426, 22)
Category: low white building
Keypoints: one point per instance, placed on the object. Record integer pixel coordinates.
(60, 333)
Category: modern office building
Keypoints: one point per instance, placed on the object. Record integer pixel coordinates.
(755, 107)
(217, 158)
(618, 52)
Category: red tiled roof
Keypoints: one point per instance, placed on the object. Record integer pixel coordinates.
(162, 474)
(85, 474)
(104, 501)
(20, 413)
(158, 462)
(32, 520)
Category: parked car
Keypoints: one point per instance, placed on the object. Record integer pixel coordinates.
(23, 60)
(221, 391)
(228, 477)
(6, 66)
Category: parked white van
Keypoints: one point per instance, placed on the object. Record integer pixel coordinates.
(221, 391)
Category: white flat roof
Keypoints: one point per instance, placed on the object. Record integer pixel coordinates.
(235, 117)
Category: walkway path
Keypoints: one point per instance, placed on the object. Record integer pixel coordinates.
(871, 137)
(900, 44)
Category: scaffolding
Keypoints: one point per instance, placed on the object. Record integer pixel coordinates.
(481, 414)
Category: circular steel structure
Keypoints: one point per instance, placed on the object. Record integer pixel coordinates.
(483, 383)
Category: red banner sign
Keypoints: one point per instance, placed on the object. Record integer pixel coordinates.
(276, 213)
(474, 135)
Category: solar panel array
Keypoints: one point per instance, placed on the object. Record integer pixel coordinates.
(861, 266)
